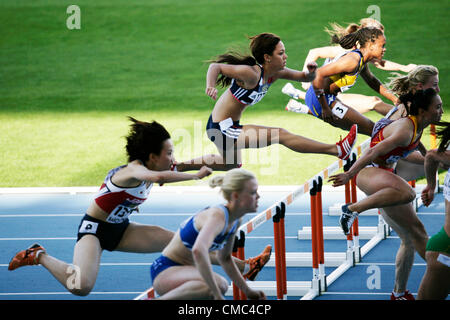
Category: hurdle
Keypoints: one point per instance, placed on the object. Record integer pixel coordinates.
(281, 259)
(317, 233)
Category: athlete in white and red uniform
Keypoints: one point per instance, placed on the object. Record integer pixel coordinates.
(106, 226)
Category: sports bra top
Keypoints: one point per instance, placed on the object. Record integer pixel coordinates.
(399, 152)
(346, 81)
(120, 202)
(250, 96)
(188, 232)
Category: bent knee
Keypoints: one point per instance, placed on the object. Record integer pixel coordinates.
(222, 284)
(82, 291)
(82, 288)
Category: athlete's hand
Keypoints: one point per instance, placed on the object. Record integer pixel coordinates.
(211, 92)
(339, 179)
(203, 172)
(312, 66)
(327, 115)
(256, 295)
(427, 195)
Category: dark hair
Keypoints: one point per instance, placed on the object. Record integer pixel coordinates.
(145, 138)
(419, 100)
(260, 45)
(444, 134)
(336, 31)
(362, 36)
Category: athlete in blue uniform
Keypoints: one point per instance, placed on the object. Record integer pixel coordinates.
(249, 78)
(184, 271)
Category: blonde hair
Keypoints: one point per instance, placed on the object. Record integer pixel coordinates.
(420, 74)
(233, 180)
(337, 31)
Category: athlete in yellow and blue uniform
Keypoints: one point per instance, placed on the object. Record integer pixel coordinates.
(342, 81)
(339, 75)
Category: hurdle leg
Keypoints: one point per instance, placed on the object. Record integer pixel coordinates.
(236, 293)
(319, 230)
(315, 284)
(278, 254)
(283, 248)
(355, 227)
(241, 255)
(350, 254)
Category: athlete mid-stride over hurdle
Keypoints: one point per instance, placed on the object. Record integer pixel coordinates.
(249, 78)
(184, 271)
(374, 172)
(106, 225)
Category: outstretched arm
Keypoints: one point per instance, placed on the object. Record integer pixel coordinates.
(141, 173)
(322, 53)
(394, 66)
(304, 76)
(401, 136)
(376, 85)
(229, 266)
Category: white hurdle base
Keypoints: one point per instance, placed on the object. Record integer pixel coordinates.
(335, 233)
(304, 259)
(294, 288)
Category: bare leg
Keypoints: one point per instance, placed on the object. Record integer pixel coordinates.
(185, 282)
(383, 189)
(409, 171)
(80, 277)
(404, 259)
(214, 161)
(436, 280)
(254, 136)
(391, 193)
(365, 125)
(363, 104)
(140, 238)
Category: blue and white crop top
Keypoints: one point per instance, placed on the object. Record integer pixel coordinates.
(188, 232)
(250, 96)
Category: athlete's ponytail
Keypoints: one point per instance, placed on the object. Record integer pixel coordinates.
(418, 100)
(232, 181)
(260, 45)
(235, 58)
(336, 31)
(360, 37)
(419, 75)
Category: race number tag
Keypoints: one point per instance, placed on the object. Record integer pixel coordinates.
(88, 227)
(119, 214)
(339, 110)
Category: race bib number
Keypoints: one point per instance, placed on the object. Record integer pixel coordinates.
(339, 110)
(119, 214)
(88, 227)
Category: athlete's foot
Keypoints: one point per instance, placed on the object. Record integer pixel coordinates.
(291, 91)
(402, 296)
(347, 218)
(298, 107)
(345, 146)
(257, 263)
(26, 257)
